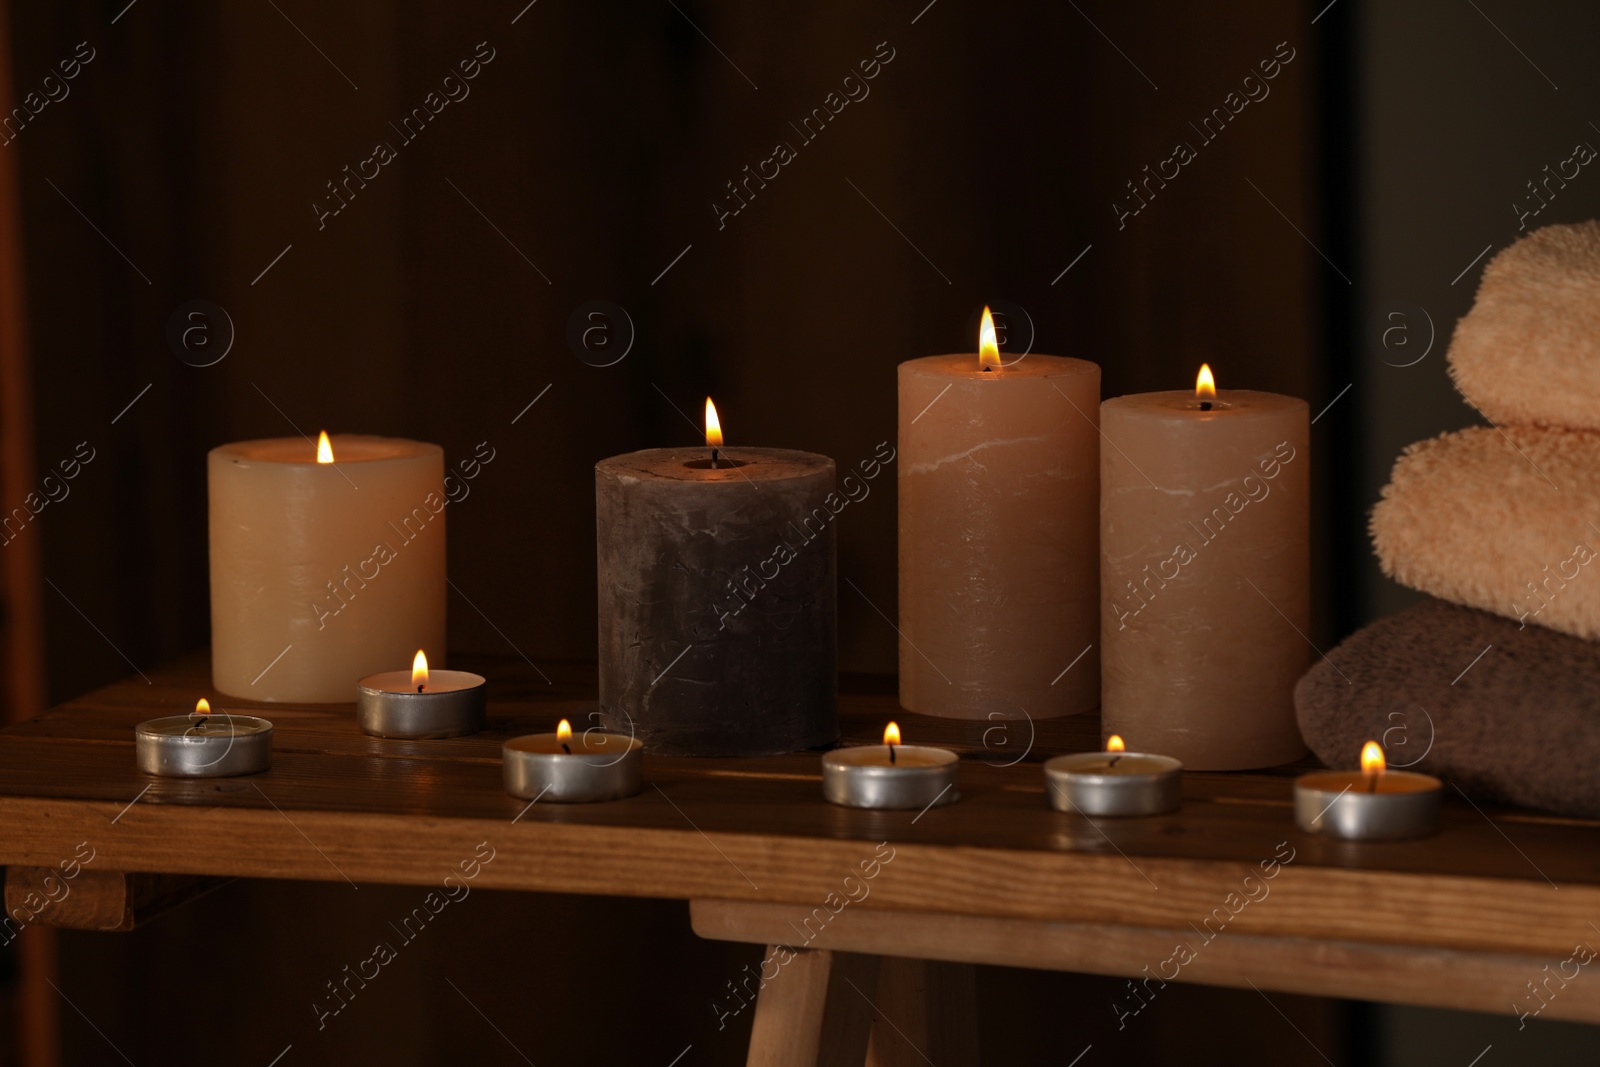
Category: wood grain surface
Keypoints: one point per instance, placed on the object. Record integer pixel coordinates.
(340, 806)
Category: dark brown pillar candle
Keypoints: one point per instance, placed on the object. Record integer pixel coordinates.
(717, 599)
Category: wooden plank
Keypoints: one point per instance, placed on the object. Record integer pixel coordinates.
(97, 899)
(337, 806)
(1464, 981)
(546, 851)
(811, 1013)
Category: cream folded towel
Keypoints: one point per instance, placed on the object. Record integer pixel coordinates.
(1507, 520)
(1529, 350)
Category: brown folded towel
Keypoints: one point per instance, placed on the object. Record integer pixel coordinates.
(1529, 350)
(1505, 520)
(1520, 724)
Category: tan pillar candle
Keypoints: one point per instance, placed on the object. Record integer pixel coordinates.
(1205, 572)
(323, 572)
(999, 494)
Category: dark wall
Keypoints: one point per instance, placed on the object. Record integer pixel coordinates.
(587, 157)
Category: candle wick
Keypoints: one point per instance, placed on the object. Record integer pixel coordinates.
(1205, 405)
(891, 753)
(1114, 759)
(420, 688)
(714, 452)
(1372, 783)
(566, 748)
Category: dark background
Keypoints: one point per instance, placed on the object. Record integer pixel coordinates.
(585, 160)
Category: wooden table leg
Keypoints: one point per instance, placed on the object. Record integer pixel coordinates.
(814, 1011)
(927, 1012)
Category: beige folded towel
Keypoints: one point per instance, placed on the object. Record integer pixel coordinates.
(1505, 520)
(1529, 350)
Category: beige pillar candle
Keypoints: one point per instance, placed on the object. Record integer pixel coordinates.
(999, 494)
(1205, 572)
(323, 572)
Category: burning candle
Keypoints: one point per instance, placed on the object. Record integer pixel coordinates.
(421, 703)
(999, 489)
(327, 562)
(1114, 782)
(203, 744)
(1373, 804)
(1205, 572)
(890, 775)
(717, 599)
(572, 768)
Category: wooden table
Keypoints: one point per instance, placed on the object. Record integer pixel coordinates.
(898, 902)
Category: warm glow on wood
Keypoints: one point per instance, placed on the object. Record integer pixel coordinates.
(988, 347)
(324, 448)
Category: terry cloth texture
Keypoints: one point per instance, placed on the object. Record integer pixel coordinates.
(1529, 350)
(1505, 520)
(1520, 726)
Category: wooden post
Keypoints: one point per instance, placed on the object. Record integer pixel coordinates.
(927, 1012)
(814, 1012)
(21, 615)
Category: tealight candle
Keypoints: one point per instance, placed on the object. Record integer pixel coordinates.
(203, 745)
(1114, 782)
(1372, 804)
(891, 775)
(420, 703)
(591, 766)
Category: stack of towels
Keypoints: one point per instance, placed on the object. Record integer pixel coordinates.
(1495, 684)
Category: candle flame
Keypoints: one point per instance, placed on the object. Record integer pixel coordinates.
(1205, 385)
(419, 670)
(713, 425)
(1372, 759)
(564, 731)
(891, 734)
(202, 706)
(324, 448)
(1114, 744)
(988, 347)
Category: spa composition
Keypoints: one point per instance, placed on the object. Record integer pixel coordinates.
(717, 598)
(1205, 515)
(327, 563)
(999, 488)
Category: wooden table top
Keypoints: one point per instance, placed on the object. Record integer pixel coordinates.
(340, 806)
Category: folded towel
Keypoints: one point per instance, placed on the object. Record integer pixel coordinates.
(1507, 520)
(1529, 350)
(1508, 713)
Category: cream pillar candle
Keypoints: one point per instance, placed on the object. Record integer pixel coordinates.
(323, 572)
(1205, 573)
(999, 494)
